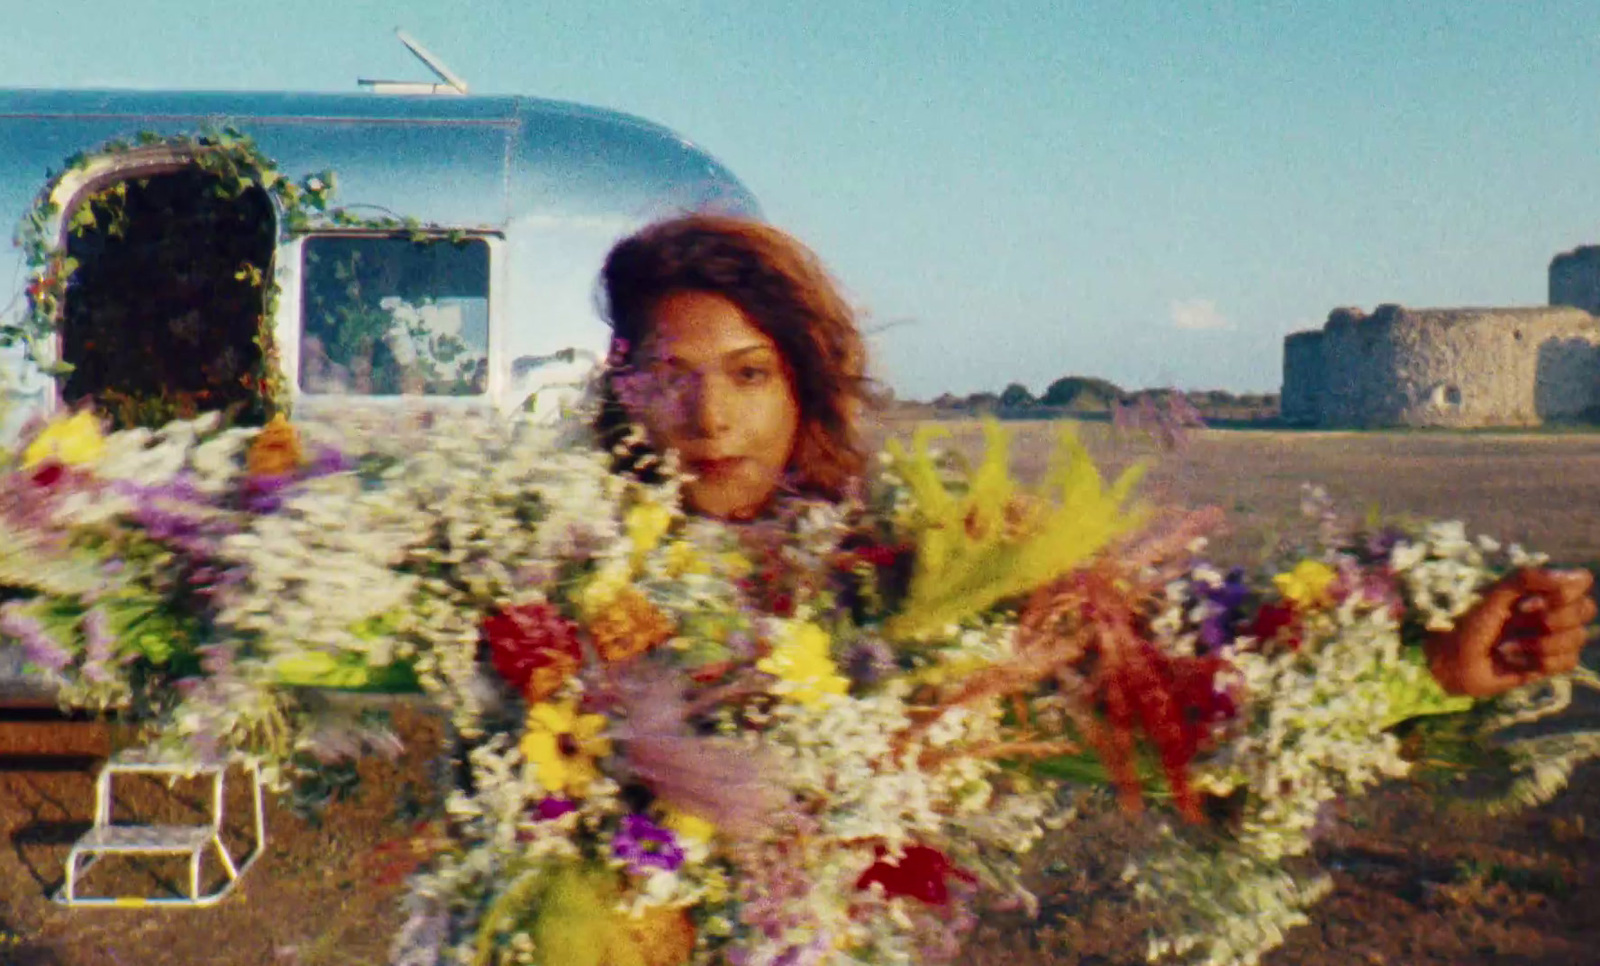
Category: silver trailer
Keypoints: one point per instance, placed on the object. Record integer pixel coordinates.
(458, 253)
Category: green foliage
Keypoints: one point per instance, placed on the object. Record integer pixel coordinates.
(1016, 396)
(1084, 393)
(235, 166)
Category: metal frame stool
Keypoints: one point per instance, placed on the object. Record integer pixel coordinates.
(105, 838)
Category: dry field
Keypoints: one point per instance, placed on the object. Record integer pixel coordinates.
(1417, 882)
(1541, 490)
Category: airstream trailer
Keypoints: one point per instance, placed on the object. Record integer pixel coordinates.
(385, 249)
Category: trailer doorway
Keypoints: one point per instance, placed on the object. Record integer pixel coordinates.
(163, 317)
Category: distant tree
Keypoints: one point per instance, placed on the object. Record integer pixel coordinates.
(1082, 392)
(981, 402)
(947, 401)
(1016, 396)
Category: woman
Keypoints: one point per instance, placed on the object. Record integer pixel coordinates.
(754, 374)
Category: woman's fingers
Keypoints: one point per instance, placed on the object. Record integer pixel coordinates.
(1561, 586)
(1575, 614)
(1559, 652)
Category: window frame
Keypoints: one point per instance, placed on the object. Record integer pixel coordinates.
(291, 317)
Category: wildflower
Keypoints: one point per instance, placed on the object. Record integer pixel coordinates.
(644, 846)
(1272, 619)
(603, 588)
(38, 646)
(801, 661)
(646, 524)
(73, 441)
(563, 745)
(630, 626)
(687, 826)
(275, 450)
(552, 807)
(533, 648)
(683, 559)
(264, 494)
(725, 782)
(1308, 585)
(920, 873)
(1225, 604)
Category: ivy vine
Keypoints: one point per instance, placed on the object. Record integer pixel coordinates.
(237, 165)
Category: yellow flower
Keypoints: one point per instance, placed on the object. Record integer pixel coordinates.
(683, 558)
(275, 450)
(802, 662)
(572, 915)
(563, 745)
(737, 565)
(1308, 585)
(610, 580)
(73, 441)
(646, 524)
(687, 825)
(951, 668)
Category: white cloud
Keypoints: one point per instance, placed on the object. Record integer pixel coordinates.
(1198, 315)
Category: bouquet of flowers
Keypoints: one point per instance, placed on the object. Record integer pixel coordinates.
(828, 736)
(123, 566)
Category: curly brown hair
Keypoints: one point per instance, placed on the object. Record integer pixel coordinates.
(786, 293)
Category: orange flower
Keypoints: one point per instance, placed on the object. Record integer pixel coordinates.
(664, 936)
(629, 626)
(276, 450)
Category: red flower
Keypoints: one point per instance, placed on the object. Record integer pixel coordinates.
(921, 873)
(1273, 618)
(48, 474)
(534, 648)
(880, 555)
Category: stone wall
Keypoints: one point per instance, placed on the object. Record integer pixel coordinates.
(1302, 378)
(1575, 278)
(1444, 367)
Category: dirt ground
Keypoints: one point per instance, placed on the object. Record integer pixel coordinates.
(1417, 882)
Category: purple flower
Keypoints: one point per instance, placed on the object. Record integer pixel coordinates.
(1381, 544)
(102, 645)
(1224, 611)
(644, 845)
(37, 644)
(869, 662)
(328, 461)
(264, 494)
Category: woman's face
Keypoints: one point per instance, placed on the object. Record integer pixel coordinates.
(724, 400)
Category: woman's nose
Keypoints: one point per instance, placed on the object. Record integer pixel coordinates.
(711, 407)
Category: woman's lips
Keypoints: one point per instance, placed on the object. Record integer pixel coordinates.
(713, 469)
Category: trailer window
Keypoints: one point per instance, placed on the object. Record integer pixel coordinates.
(385, 316)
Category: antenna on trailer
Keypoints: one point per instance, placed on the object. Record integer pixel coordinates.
(452, 83)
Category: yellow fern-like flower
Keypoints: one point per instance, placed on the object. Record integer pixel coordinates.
(991, 540)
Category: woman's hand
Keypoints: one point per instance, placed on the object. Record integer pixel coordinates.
(1529, 625)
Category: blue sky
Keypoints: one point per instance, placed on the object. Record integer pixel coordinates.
(1152, 192)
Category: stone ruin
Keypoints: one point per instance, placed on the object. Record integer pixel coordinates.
(1461, 368)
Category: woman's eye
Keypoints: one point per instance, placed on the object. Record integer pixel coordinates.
(752, 375)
